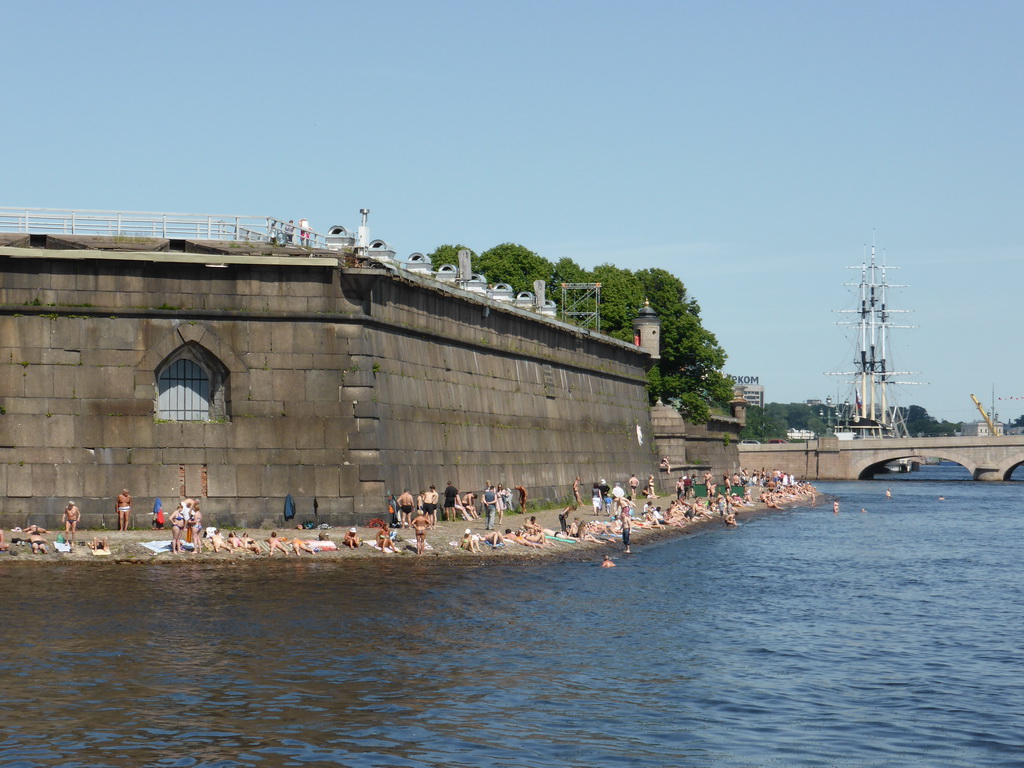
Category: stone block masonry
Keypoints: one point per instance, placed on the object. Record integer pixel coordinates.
(329, 378)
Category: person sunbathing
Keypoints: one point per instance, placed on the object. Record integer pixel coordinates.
(518, 538)
(537, 537)
(217, 541)
(651, 521)
(384, 541)
(99, 546)
(301, 545)
(351, 539)
(275, 543)
(39, 544)
(494, 538)
(469, 542)
(35, 529)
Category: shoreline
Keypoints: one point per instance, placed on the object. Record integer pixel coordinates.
(127, 546)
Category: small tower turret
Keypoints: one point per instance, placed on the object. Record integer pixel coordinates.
(647, 331)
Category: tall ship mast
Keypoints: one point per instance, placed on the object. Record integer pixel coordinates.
(872, 411)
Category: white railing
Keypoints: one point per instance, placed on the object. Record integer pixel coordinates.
(167, 226)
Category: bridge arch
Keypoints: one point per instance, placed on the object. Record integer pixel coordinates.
(1007, 467)
(867, 468)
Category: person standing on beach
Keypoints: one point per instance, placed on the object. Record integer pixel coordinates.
(451, 493)
(71, 518)
(627, 526)
(405, 504)
(430, 505)
(634, 483)
(196, 521)
(420, 523)
(123, 507)
(576, 491)
(522, 499)
(490, 506)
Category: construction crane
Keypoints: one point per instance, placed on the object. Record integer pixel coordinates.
(991, 426)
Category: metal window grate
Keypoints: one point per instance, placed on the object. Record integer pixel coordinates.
(184, 392)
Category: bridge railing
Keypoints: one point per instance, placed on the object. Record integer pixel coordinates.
(167, 226)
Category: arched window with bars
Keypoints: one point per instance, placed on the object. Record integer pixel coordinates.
(191, 386)
(184, 392)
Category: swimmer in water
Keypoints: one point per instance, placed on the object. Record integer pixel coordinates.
(607, 562)
(888, 493)
(835, 507)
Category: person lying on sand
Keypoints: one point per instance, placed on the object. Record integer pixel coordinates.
(301, 545)
(275, 543)
(39, 544)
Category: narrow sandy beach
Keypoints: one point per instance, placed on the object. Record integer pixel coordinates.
(127, 546)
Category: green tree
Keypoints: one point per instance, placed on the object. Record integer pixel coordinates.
(762, 426)
(447, 254)
(514, 264)
(690, 369)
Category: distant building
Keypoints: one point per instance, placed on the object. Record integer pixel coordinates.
(752, 393)
(979, 429)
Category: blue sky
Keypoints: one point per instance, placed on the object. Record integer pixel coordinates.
(751, 148)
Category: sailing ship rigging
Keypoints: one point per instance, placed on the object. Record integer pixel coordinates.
(873, 412)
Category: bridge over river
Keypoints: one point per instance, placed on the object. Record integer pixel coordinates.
(828, 458)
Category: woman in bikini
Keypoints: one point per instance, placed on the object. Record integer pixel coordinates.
(178, 520)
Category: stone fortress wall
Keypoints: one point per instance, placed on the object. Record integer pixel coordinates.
(331, 379)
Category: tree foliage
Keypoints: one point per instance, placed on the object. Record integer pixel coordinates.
(689, 373)
(775, 419)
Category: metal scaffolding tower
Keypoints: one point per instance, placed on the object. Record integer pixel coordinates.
(582, 303)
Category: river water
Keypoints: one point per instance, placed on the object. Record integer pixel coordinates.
(891, 637)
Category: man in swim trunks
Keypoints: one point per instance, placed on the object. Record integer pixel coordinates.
(576, 490)
(39, 544)
(71, 518)
(430, 505)
(405, 505)
(123, 505)
(634, 483)
(420, 523)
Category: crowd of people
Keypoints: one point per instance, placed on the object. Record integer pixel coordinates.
(617, 509)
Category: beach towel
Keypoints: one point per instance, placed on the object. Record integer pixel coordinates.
(156, 547)
(62, 546)
(289, 507)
